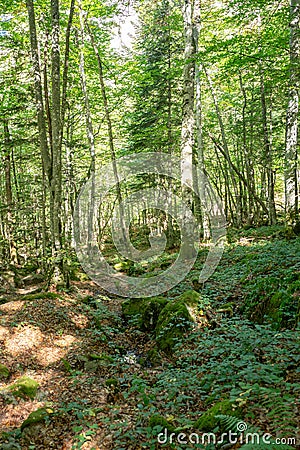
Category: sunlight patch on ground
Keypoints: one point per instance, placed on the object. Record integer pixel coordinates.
(23, 341)
(49, 355)
(3, 332)
(80, 320)
(12, 307)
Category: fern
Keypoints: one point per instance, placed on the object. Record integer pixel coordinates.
(232, 424)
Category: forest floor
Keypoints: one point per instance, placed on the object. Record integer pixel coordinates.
(99, 388)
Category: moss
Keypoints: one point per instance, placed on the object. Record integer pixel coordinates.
(24, 387)
(154, 357)
(102, 357)
(4, 371)
(208, 420)
(124, 266)
(112, 383)
(227, 308)
(176, 318)
(144, 312)
(40, 296)
(157, 420)
(37, 416)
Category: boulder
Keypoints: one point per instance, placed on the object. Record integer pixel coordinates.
(208, 421)
(24, 387)
(176, 318)
(37, 416)
(144, 312)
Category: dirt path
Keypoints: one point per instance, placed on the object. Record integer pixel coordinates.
(51, 341)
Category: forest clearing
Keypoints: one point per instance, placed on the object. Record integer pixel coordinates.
(149, 224)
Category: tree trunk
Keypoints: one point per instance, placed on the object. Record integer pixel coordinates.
(201, 180)
(188, 120)
(268, 152)
(13, 255)
(89, 130)
(124, 238)
(291, 139)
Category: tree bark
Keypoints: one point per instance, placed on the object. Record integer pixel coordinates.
(188, 119)
(291, 139)
(13, 254)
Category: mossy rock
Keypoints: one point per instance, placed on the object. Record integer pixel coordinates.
(157, 420)
(176, 318)
(40, 296)
(37, 416)
(112, 383)
(24, 387)
(154, 357)
(103, 358)
(208, 420)
(144, 312)
(4, 371)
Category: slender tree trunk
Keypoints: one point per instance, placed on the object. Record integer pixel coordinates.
(13, 255)
(291, 139)
(201, 181)
(268, 151)
(89, 129)
(112, 148)
(55, 184)
(248, 159)
(225, 144)
(188, 120)
(46, 160)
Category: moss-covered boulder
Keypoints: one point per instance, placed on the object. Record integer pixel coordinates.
(24, 387)
(37, 416)
(4, 371)
(176, 318)
(144, 312)
(208, 421)
(157, 420)
(154, 357)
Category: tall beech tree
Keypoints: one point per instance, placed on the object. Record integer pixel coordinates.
(51, 145)
(291, 140)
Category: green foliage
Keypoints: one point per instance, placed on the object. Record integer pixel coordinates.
(209, 420)
(4, 371)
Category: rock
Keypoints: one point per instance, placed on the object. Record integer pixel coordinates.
(144, 312)
(112, 383)
(176, 318)
(24, 387)
(91, 366)
(157, 420)
(103, 357)
(208, 420)
(154, 357)
(4, 371)
(37, 416)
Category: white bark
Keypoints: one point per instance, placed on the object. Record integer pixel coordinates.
(291, 142)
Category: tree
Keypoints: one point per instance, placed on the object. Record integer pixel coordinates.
(291, 140)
